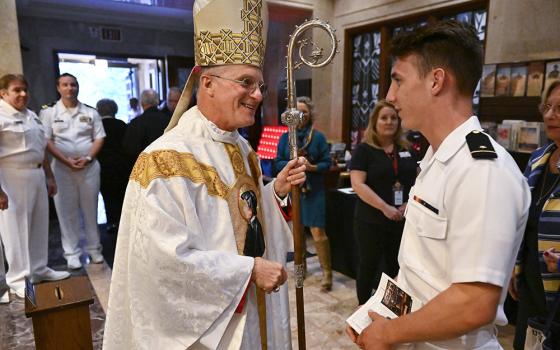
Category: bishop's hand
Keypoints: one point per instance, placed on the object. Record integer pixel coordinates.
(268, 275)
(292, 174)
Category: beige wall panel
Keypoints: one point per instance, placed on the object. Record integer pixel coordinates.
(522, 30)
(10, 57)
(304, 4)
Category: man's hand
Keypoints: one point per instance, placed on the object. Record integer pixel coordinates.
(74, 164)
(268, 275)
(512, 288)
(292, 174)
(3, 200)
(372, 337)
(51, 186)
(352, 334)
(82, 162)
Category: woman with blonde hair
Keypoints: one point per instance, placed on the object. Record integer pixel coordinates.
(382, 171)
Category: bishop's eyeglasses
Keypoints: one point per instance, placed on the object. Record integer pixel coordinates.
(247, 83)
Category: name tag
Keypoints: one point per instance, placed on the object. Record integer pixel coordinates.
(404, 154)
(58, 121)
(398, 194)
(85, 119)
(17, 122)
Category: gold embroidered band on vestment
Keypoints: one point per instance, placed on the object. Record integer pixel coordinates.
(170, 163)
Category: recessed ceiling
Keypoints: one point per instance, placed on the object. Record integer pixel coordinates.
(157, 14)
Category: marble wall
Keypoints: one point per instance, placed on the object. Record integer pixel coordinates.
(10, 59)
(523, 30)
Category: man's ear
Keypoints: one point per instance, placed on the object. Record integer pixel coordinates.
(207, 85)
(438, 79)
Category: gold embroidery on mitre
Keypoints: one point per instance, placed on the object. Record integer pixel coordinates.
(170, 163)
(234, 153)
(227, 47)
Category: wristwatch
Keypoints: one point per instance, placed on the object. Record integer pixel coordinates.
(89, 159)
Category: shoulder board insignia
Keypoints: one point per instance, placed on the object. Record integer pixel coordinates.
(480, 145)
(48, 105)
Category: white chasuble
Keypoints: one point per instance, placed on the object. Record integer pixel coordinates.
(178, 274)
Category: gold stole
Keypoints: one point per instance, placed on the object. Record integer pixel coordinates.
(236, 205)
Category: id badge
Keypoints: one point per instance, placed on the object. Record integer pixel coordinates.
(397, 194)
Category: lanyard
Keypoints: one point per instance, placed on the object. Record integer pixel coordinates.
(393, 157)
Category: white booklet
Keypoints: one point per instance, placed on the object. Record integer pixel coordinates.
(390, 300)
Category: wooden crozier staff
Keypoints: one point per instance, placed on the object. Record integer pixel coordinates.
(291, 118)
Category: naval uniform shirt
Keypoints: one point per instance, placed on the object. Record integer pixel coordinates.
(464, 223)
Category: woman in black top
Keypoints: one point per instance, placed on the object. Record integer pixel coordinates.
(382, 172)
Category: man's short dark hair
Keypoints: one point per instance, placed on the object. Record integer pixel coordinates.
(65, 75)
(450, 45)
(107, 107)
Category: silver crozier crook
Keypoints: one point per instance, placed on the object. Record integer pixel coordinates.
(291, 118)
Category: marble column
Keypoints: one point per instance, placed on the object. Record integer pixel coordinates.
(10, 59)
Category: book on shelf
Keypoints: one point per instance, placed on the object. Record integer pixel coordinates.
(490, 128)
(530, 136)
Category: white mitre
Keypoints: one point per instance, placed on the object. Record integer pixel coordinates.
(225, 32)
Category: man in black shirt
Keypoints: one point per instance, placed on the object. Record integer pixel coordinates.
(145, 128)
(173, 96)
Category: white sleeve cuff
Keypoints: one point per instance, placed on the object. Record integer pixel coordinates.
(282, 201)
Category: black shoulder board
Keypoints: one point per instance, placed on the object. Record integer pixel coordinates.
(48, 105)
(89, 106)
(480, 145)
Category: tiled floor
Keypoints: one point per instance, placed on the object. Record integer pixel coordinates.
(325, 313)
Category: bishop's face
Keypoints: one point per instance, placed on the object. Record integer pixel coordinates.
(236, 103)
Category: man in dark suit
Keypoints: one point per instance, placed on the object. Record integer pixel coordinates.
(147, 127)
(173, 96)
(115, 164)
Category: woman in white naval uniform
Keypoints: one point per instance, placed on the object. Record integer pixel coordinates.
(24, 223)
(75, 135)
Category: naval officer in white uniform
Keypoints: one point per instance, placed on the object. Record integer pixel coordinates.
(25, 178)
(75, 135)
(467, 210)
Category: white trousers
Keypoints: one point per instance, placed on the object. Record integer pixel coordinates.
(77, 198)
(24, 226)
(2, 268)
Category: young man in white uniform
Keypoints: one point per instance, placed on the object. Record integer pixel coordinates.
(75, 135)
(183, 277)
(26, 180)
(468, 209)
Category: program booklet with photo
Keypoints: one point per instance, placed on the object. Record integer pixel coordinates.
(390, 300)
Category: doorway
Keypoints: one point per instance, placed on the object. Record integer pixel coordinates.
(117, 78)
